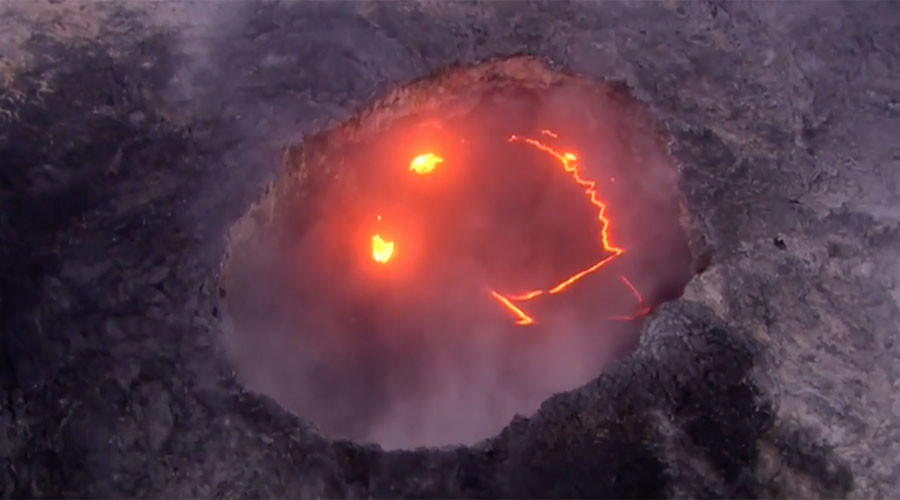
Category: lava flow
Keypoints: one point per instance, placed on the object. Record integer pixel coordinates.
(426, 163)
(523, 319)
(569, 162)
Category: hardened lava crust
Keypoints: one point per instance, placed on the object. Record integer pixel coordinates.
(133, 136)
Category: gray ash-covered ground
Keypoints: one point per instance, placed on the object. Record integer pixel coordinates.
(132, 136)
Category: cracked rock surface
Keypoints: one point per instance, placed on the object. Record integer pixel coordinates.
(132, 135)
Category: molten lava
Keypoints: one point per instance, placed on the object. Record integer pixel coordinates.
(569, 162)
(425, 163)
(523, 319)
(382, 250)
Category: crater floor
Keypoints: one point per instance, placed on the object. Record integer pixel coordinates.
(420, 348)
(133, 135)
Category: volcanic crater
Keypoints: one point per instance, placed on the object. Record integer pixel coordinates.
(369, 249)
(530, 220)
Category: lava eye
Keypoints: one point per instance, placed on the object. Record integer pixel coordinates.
(425, 163)
(382, 249)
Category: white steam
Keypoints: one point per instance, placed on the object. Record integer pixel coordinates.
(420, 354)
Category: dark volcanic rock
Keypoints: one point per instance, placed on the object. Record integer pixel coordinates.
(132, 135)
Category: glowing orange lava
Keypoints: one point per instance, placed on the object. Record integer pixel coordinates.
(523, 319)
(569, 162)
(382, 250)
(425, 163)
(570, 165)
(527, 295)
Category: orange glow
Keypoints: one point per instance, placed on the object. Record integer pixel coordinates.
(425, 163)
(522, 318)
(382, 250)
(569, 163)
(527, 296)
(581, 274)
